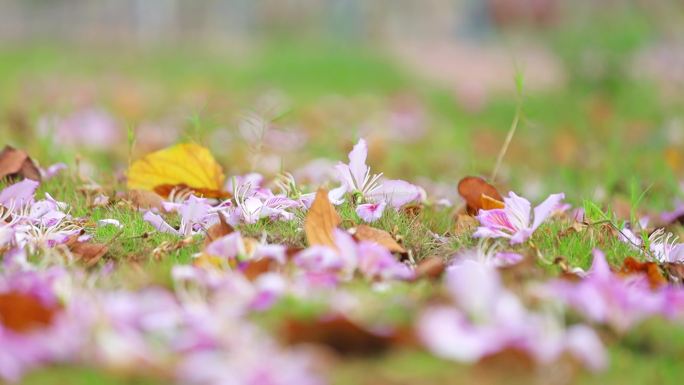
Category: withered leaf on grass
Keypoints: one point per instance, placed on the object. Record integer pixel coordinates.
(186, 166)
(88, 253)
(338, 333)
(321, 221)
(381, 237)
(675, 271)
(650, 269)
(465, 224)
(218, 230)
(16, 163)
(252, 269)
(431, 267)
(143, 199)
(479, 195)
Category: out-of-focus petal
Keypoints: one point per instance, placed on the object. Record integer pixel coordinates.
(546, 208)
(370, 212)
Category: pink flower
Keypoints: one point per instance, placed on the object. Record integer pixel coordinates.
(605, 297)
(377, 263)
(196, 214)
(514, 220)
(370, 259)
(370, 212)
(52, 171)
(666, 248)
(489, 256)
(489, 319)
(28, 222)
(675, 215)
(356, 177)
(229, 246)
(19, 194)
(94, 128)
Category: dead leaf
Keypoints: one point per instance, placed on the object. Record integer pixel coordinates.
(88, 253)
(650, 269)
(143, 199)
(412, 210)
(253, 269)
(16, 163)
(674, 159)
(336, 332)
(22, 312)
(465, 224)
(477, 192)
(489, 203)
(575, 228)
(675, 271)
(218, 230)
(566, 146)
(321, 220)
(431, 267)
(381, 237)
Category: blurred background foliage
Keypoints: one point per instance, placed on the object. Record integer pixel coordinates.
(270, 85)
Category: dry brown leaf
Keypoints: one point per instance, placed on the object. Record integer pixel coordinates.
(143, 199)
(489, 203)
(218, 230)
(675, 271)
(88, 253)
(22, 312)
(253, 269)
(650, 269)
(431, 267)
(16, 163)
(475, 192)
(321, 220)
(465, 224)
(381, 237)
(336, 332)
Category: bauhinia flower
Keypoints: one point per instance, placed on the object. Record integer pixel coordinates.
(373, 261)
(489, 255)
(606, 297)
(514, 221)
(25, 222)
(253, 202)
(665, 247)
(370, 212)
(489, 319)
(356, 177)
(196, 214)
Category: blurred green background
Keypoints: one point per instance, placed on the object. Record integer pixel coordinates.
(430, 84)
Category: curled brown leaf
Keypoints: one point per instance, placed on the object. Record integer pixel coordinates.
(16, 163)
(381, 237)
(477, 193)
(321, 221)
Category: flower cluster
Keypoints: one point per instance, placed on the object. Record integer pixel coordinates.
(486, 319)
(28, 223)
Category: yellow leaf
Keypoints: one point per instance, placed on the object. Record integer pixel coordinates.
(489, 203)
(321, 221)
(185, 165)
